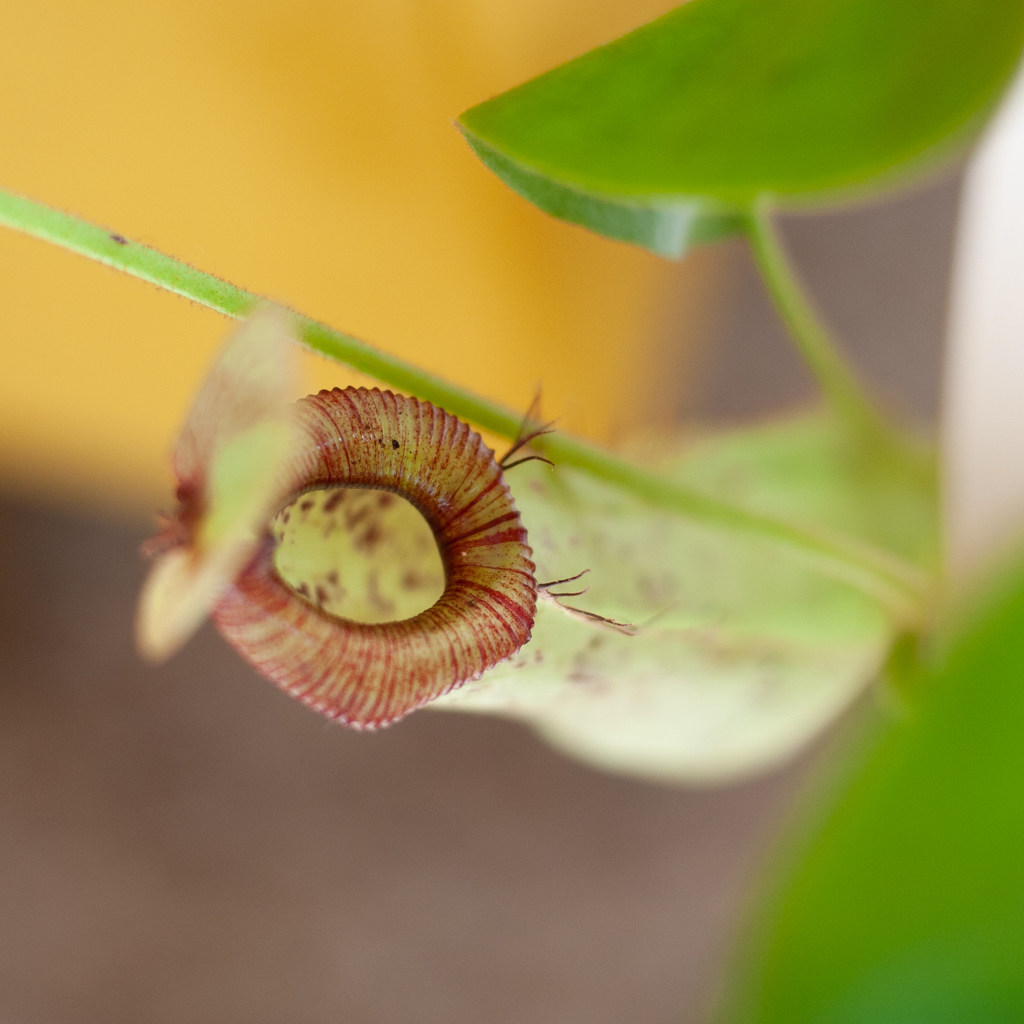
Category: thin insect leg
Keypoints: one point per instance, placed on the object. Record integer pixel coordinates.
(523, 438)
(623, 627)
(558, 583)
(528, 458)
(533, 413)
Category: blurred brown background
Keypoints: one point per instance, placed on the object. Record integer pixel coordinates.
(186, 844)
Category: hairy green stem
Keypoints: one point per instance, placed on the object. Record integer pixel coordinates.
(876, 572)
(837, 379)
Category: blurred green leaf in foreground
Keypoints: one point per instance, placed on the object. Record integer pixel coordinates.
(905, 902)
(669, 135)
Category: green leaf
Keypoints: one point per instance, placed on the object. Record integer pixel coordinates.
(664, 136)
(743, 651)
(668, 229)
(907, 900)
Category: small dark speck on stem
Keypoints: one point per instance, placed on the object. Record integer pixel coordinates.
(120, 239)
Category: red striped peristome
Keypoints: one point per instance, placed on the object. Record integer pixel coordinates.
(368, 675)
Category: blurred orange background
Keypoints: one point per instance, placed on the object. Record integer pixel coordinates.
(304, 150)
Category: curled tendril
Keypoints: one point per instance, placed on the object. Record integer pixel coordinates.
(245, 456)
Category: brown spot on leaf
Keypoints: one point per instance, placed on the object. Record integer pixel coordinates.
(376, 598)
(354, 518)
(369, 539)
(335, 499)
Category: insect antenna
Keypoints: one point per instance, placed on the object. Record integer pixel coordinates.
(557, 583)
(528, 458)
(621, 627)
(545, 588)
(525, 436)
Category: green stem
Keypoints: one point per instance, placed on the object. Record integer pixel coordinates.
(837, 379)
(874, 571)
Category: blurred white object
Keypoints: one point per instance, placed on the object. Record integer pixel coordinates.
(983, 442)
